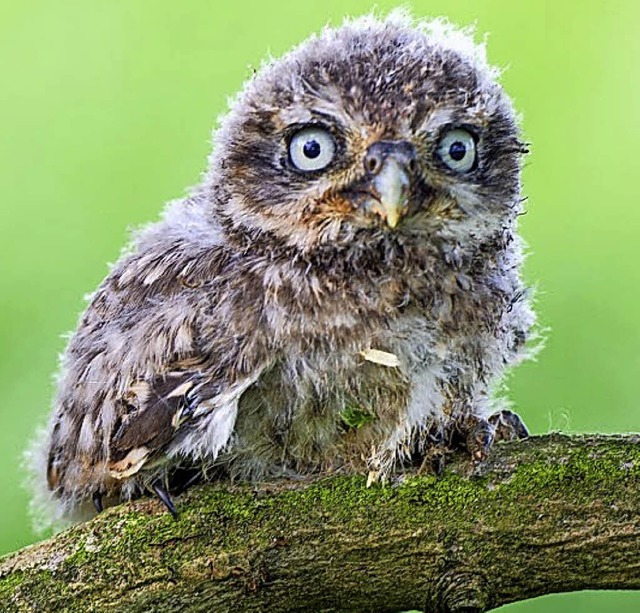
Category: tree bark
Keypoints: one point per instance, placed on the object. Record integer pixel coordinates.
(549, 514)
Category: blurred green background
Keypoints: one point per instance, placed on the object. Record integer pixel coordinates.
(105, 114)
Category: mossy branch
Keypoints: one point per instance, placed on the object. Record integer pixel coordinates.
(550, 514)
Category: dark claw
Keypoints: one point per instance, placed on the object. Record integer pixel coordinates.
(163, 495)
(509, 426)
(97, 501)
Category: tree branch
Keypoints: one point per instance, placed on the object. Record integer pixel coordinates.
(550, 514)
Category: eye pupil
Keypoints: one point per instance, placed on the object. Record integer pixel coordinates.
(311, 149)
(457, 151)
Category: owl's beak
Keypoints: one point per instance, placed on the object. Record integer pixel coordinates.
(391, 184)
(389, 166)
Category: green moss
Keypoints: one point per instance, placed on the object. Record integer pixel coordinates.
(78, 557)
(355, 417)
(585, 469)
(9, 583)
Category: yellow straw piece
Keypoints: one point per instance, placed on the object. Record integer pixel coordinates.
(381, 357)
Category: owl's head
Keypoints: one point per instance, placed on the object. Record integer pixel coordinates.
(377, 130)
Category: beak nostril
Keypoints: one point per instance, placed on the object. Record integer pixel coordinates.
(371, 164)
(403, 152)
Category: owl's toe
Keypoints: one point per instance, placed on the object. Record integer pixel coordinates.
(479, 438)
(508, 426)
(433, 461)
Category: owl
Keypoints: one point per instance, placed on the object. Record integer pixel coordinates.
(340, 293)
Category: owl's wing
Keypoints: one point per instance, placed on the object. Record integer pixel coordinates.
(180, 413)
(153, 413)
(156, 367)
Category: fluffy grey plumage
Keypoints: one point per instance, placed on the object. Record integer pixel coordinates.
(362, 197)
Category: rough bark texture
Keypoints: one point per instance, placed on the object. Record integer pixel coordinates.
(550, 514)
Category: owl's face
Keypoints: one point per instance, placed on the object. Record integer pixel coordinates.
(371, 131)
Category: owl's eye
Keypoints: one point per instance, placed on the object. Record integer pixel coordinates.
(311, 149)
(457, 149)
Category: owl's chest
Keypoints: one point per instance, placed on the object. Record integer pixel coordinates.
(330, 405)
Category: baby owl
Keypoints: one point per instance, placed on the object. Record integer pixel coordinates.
(341, 292)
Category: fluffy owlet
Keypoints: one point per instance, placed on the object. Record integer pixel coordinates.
(342, 291)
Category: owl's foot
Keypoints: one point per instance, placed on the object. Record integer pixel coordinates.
(475, 434)
(434, 460)
(431, 453)
(480, 434)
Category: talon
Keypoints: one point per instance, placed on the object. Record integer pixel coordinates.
(509, 426)
(97, 501)
(164, 497)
